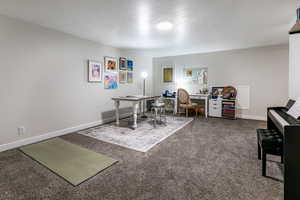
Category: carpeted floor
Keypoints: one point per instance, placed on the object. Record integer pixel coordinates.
(212, 159)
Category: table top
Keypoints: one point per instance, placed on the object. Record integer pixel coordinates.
(199, 96)
(169, 97)
(134, 98)
(192, 96)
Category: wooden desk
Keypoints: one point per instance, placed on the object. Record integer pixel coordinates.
(136, 100)
(193, 97)
(202, 97)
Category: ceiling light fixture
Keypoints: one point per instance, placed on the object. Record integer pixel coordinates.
(164, 26)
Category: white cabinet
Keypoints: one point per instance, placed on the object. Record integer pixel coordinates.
(294, 68)
(215, 108)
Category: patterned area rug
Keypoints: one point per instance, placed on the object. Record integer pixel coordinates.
(141, 139)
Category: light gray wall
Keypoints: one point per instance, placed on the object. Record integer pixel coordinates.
(264, 69)
(43, 80)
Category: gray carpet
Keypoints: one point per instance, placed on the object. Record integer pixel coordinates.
(208, 159)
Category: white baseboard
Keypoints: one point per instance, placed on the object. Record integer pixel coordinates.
(253, 117)
(53, 134)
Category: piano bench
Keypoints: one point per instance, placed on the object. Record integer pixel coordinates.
(269, 142)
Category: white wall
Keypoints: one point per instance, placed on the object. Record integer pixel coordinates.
(43, 81)
(294, 69)
(264, 69)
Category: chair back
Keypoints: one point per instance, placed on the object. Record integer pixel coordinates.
(183, 96)
(159, 102)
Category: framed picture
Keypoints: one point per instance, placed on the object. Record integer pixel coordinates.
(129, 77)
(110, 81)
(95, 71)
(129, 65)
(168, 74)
(110, 64)
(189, 73)
(123, 64)
(123, 77)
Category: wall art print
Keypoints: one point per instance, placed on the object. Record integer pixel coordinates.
(129, 65)
(122, 77)
(129, 77)
(95, 71)
(110, 81)
(110, 64)
(123, 64)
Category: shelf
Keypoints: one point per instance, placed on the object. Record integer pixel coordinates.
(228, 109)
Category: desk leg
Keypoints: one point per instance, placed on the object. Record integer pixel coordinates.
(206, 107)
(140, 106)
(117, 106)
(135, 106)
(175, 106)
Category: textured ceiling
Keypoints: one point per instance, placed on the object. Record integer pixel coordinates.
(199, 25)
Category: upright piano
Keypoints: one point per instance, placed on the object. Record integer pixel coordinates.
(279, 119)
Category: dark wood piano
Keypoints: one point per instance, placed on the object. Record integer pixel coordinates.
(279, 119)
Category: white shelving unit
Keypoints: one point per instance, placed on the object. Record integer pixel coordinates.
(222, 108)
(215, 107)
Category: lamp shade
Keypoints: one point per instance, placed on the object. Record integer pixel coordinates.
(296, 27)
(144, 75)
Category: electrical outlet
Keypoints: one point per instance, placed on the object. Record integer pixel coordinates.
(21, 130)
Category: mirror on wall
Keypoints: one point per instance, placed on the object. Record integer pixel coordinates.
(197, 76)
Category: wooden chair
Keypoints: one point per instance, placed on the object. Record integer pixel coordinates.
(200, 110)
(184, 101)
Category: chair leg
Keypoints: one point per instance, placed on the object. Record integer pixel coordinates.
(258, 151)
(281, 159)
(155, 117)
(264, 163)
(187, 112)
(160, 113)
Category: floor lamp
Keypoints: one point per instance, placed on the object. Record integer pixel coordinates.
(144, 77)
